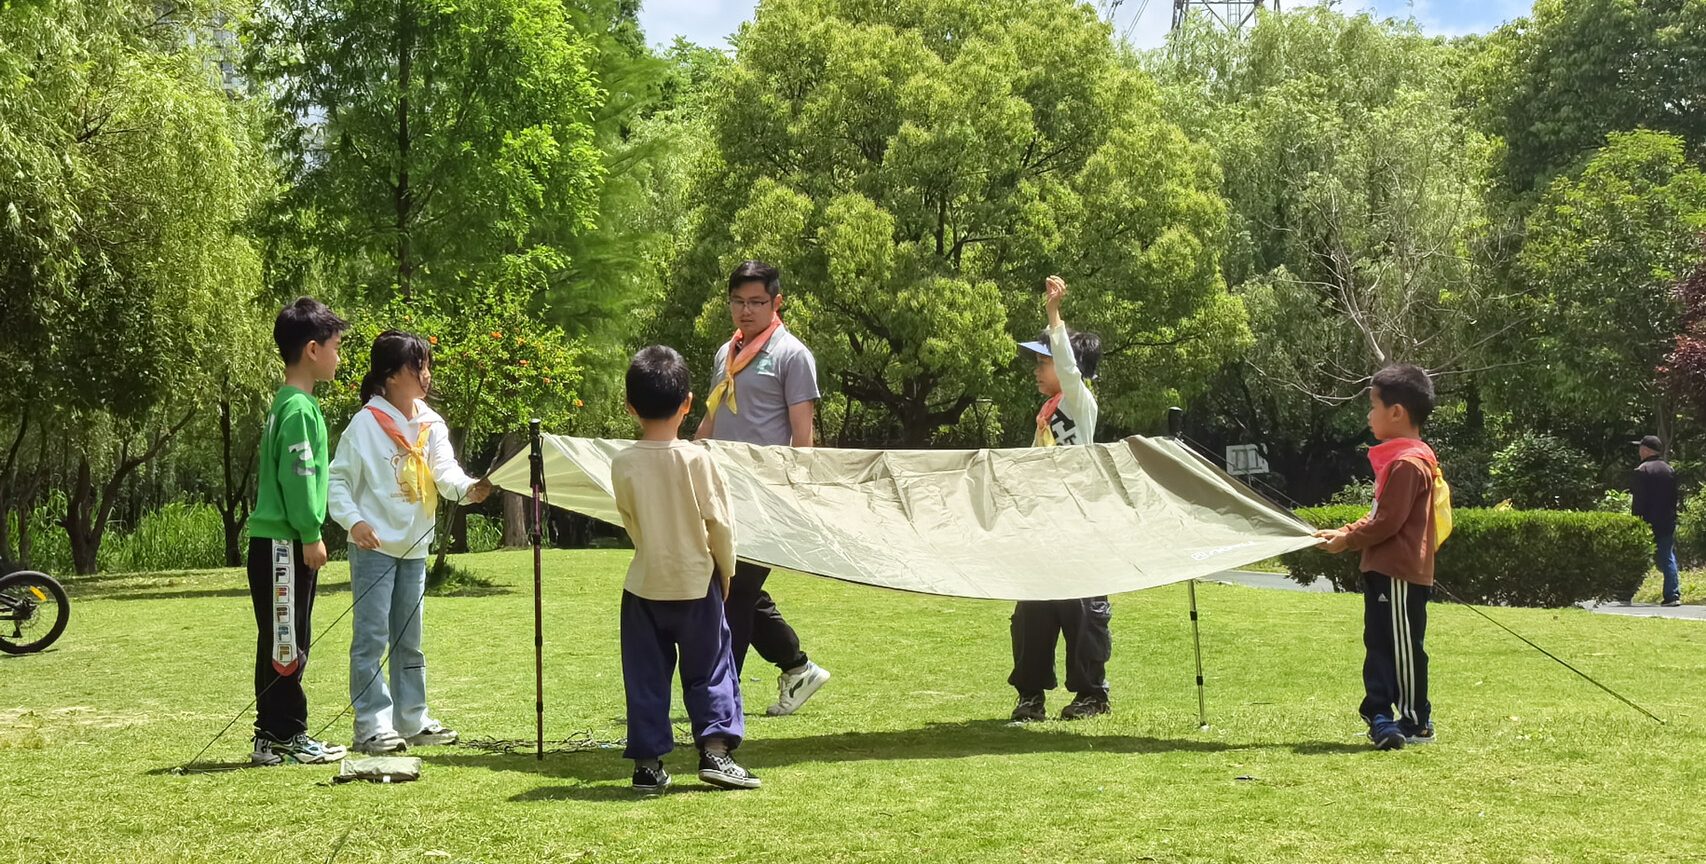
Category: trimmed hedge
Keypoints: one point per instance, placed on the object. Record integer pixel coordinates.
(1545, 558)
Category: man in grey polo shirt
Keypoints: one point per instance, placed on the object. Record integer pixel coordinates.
(771, 399)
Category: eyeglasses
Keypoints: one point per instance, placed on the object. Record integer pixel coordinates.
(735, 305)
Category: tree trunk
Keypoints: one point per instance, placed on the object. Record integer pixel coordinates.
(1666, 421)
(88, 510)
(403, 201)
(24, 511)
(227, 514)
(515, 521)
(233, 505)
(915, 426)
(514, 506)
(459, 531)
(9, 484)
(80, 522)
(26, 502)
(452, 528)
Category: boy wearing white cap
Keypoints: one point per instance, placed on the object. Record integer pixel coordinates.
(1066, 363)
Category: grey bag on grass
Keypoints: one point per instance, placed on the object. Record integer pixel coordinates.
(379, 769)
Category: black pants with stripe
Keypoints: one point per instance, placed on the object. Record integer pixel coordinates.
(281, 707)
(1395, 667)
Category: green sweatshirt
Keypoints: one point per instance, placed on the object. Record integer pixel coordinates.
(290, 500)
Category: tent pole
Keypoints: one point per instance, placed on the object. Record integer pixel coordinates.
(536, 460)
(1176, 430)
(1196, 641)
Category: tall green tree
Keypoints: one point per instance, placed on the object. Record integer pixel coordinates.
(644, 222)
(1595, 306)
(1355, 189)
(431, 146)
(128, 246)
(1551, 86)
(917, 169)
(614, 268)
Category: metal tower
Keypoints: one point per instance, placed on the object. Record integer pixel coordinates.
(1232, 14)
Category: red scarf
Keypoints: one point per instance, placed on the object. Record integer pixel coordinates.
(739, 356)
(1384, 455)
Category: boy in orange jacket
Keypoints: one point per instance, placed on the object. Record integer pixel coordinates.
(1397, 540)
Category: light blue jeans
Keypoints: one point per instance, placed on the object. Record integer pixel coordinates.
(388, 610)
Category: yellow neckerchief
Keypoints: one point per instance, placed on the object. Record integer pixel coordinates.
(739, 356)
(414, 475)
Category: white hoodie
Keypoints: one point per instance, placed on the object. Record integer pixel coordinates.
(363, 482)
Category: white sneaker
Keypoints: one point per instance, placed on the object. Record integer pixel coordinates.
(300, 749)
(794, 688)
(433, 736)
(263, 753)
(382, 744)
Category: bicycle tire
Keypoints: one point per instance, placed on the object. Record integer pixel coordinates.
(61, 603)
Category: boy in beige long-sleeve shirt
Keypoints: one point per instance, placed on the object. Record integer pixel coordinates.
(675, 508)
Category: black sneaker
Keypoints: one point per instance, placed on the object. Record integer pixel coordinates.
(1672, 602)
(1385, 734)
(1423, 736)
(721, 770)
(650, 781)
(1030, 709)
(1085, 706)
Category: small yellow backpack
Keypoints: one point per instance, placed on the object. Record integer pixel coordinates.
(1442, 508)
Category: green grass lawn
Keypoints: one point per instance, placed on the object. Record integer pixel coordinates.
(1693, 584)
(905, 756)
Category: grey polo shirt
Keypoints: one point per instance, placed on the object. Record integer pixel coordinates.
(783, 374)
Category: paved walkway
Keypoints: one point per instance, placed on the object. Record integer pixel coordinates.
(1279, 582)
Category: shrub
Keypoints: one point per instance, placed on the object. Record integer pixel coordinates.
(1509, 557)
(1356, 493)
(1691, 530)
(1465, 448)
(482, 535)
(1615, 501)
(177, 536)
(1542, 472)
(50, 549)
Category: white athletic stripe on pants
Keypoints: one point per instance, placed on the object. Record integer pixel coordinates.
(1404, 654)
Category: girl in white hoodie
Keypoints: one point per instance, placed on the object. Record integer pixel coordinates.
(392, 464)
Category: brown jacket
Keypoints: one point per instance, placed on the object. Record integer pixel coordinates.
(1396, 538)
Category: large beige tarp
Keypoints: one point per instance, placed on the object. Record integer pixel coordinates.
(1025, 524)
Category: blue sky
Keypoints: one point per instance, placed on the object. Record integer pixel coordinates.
(709, 22)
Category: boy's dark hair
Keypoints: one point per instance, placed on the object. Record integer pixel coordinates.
(304, 321)
(393, 351)
(1086, 347)
(757, 271)
(1409, 386)
(658, 382)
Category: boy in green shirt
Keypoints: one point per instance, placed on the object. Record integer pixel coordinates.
(285, 549)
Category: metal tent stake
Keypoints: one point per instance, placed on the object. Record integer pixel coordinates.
(1196, 639)
(1176, 429)
(536, 461)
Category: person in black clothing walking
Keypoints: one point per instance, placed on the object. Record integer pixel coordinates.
(1654, 488)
